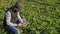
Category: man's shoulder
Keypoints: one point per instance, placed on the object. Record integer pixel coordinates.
(8, 13)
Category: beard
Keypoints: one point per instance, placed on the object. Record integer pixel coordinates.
(15, 11)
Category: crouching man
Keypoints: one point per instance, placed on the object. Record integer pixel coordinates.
(12, 20)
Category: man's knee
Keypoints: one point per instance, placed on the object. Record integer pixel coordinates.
(16, 31)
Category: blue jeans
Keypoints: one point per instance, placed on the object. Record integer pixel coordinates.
(12, 29)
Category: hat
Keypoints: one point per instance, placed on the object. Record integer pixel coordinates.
(17, 5)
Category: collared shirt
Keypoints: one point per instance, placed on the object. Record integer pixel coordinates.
(8, 18)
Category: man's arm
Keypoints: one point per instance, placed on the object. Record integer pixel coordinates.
(8, 18)
(19, 18)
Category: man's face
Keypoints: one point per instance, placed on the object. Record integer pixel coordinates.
(16, 9)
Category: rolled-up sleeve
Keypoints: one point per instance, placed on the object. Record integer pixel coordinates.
(8, 18)
(19, 17)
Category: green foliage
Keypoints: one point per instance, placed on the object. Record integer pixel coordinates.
(42, 16)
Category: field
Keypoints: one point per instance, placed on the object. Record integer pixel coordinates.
(42, 16)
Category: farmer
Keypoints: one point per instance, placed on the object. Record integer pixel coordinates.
(12, 20)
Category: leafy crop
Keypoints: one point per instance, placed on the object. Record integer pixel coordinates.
(42, 16)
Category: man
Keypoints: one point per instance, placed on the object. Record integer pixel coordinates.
(13, 20)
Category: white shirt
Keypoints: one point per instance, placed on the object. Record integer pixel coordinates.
(8, 18)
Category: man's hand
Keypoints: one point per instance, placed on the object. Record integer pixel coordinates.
(22, 24)
(19, 24)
